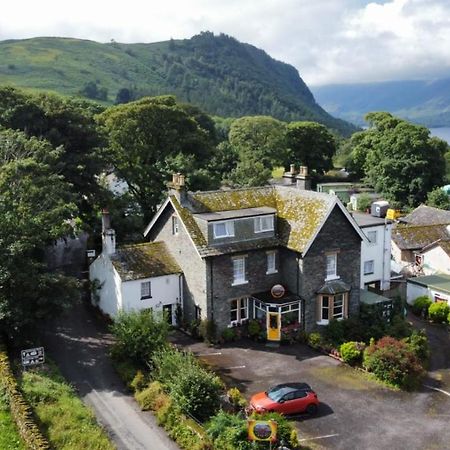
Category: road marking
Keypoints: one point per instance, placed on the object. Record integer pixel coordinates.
(437, 389)
(234, 367)
(209, 354)
(318, 437)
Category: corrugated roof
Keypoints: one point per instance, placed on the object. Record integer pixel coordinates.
(300, 214)
(438, 282)
(152, 259)
(411, 237)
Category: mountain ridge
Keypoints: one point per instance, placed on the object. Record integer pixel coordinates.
(215, 72)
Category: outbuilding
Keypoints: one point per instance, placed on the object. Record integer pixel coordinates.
(436, 287)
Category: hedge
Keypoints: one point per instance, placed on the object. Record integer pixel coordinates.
(20, 410)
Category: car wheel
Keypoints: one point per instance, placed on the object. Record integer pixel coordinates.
(312, 409)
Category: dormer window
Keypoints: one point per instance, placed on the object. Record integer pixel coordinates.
(263, 223)
(223, 229)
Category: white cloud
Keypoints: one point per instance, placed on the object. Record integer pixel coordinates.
(327, 40)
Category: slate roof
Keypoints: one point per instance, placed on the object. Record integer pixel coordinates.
(438, 282)
(427, 215)
(300, 215)
(135, 262)
(416, 237)
(333, 287)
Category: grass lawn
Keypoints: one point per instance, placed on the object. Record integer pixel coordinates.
(9, 436)
(63, 418)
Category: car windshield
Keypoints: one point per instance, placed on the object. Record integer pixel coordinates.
(278, 392)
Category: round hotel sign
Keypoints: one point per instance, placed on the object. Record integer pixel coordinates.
(262, 430)
(277, 291)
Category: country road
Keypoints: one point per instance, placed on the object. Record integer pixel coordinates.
(78, 343)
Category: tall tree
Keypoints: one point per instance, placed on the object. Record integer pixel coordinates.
(150, 138)
(36, 207)
(399, 159)
(310, 144)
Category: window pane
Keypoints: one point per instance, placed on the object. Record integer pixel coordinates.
(271, 262)
(325, 313)
(230, 228)
(372, 236)
(238, 270)
(233, 315)
(331, 265)
(325, 301)
(220, 230)
(146, 289)
(369, 267)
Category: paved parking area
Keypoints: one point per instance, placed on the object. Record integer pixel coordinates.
(356, 412)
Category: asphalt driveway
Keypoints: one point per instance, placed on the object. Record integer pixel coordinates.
(356, 412)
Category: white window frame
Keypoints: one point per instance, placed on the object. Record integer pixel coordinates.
(146, 290)
(271, 262)
(229, 229)
(240, 306)
(369, 267)
(373, 239)
(264, 223)
(239, 275)
(331, 269)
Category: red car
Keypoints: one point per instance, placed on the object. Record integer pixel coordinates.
(289, 398)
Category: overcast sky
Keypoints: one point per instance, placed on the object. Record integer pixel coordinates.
(328, 41)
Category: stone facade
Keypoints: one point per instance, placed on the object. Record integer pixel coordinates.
(208, 278)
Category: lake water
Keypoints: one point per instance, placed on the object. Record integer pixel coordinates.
(443, 133)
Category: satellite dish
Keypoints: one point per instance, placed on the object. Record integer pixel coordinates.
(277, 291)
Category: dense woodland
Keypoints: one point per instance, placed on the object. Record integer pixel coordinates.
(55, 152)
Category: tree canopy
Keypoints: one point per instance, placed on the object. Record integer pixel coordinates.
(310, 144)
(399, 159)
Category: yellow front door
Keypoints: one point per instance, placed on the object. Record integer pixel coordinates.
(273, 326)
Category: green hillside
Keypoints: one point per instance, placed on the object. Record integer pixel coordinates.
(219, 74)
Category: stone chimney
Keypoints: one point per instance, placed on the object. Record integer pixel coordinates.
(289, 177)
(108, 234)
(178, 188)
(303, 179)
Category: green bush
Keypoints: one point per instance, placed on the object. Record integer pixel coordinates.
(254, 328)
(126, 369)
(448, 318)
(236, 398)
(139, 381)
(351, 352)
(152, 397)
(315, 340)
(394, 362)
(399, 328)
(418, 343)
(194, 389)
(420, 305)
(229, 335)
(138, 335)
(207, 330)
(438, 312)
(197, 392)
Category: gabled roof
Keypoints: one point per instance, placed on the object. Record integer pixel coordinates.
(135, 262)
(427, 215)
(416, 237)
(300, 215)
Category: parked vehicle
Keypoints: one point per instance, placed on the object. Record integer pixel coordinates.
(288, 398)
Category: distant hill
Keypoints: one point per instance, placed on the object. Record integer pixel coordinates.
(217, 73)
(424, 102)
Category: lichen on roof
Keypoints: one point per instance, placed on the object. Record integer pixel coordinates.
(152, 259)
(409, 237)
(300, 213)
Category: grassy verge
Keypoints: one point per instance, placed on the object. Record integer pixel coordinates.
(67, 423)
(9, 436)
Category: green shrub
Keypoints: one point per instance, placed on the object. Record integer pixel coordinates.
(335, 332)
(394, 362)
(420, 305)
(138, 334)
(207, 330)
(399, 328)
(315, 340)
(126, 369)
(448, 318)
(254, 328)
(169, 362)
(197, 392)
(418, 343)
(229, 335)
(193, 328)
(236, 398)
(351, 352)
(139, 381)
(438, 312)
(152, 397)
